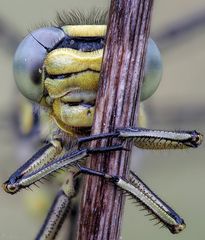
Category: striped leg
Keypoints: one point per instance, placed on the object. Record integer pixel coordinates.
(38, 167)
(140, 192)
(59, 209)
(41, 158)
(153, 139)
(133, 187)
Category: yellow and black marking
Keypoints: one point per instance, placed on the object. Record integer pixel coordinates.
(64, 73)
(71, 73)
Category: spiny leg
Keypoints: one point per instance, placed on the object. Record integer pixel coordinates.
(42, 157)
(23, 178)
(161, 139)
(38, 166)
(153, 139)
(59, 209)
(133, 187)
(140, 192)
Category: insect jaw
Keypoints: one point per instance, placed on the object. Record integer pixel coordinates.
(80, 115)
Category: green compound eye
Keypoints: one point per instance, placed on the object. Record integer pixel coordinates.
(29, 58)
(31, 53)
(153, 71)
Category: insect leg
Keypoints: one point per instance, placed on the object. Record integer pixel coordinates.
(59, 209)
(42, 157)
(62, 201)
(153, 139)
(20, 179)
(140, 192)
(161, 139)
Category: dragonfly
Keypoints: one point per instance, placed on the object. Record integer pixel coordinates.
(58, 68)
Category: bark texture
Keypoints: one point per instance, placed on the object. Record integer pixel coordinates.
(116, 107)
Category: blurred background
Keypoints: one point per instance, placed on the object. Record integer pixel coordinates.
(178, 27)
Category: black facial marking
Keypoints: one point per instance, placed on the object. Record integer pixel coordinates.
(84, 44)
(67, 75)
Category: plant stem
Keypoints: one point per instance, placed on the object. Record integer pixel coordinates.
(116, 106)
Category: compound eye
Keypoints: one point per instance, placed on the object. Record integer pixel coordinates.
(153, 71)
(29, 58)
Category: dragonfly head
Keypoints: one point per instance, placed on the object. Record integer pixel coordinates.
(59, 67)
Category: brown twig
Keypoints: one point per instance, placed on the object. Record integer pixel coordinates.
(116, 106)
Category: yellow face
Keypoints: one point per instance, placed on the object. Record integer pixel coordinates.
(59, 68)
(72, 75)
(64, 73)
